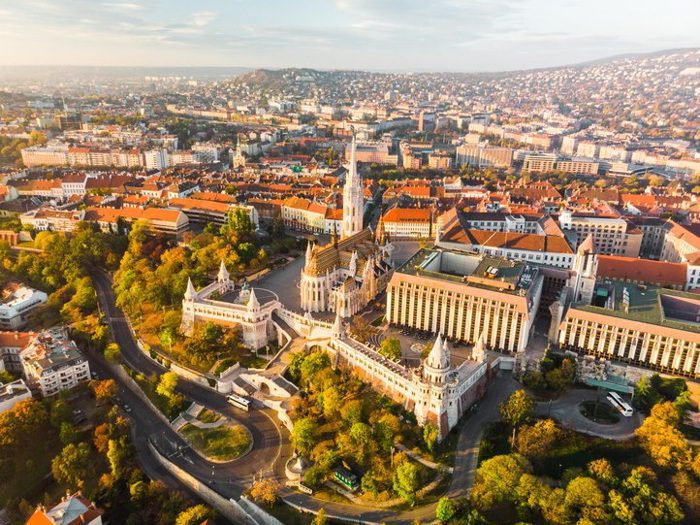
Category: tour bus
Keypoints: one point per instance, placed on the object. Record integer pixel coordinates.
(238, 401)
(620, 404)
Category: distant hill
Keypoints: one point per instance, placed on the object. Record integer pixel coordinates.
(272, 78)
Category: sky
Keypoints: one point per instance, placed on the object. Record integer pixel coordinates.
(383, 35)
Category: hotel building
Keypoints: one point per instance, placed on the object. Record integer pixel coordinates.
(466, 296)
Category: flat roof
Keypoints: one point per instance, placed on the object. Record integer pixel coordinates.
(648, 304)
(471, 269)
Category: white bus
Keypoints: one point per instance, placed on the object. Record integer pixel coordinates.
(620, 404)
(238, 401)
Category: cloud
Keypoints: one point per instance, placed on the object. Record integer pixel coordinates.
(203, 18)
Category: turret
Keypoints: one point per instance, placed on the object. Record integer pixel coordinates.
(253, 303)
(437, 364)
(190, 293)
(223, 275)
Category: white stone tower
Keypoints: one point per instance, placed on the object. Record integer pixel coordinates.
(353, 203)
(437, 364)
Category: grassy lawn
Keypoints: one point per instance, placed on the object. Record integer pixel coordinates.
(599, 412)
(208, 416)
(223, 443)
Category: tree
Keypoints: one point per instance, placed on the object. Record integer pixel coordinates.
(117, 454)
(332, 402)
(602, 470)
(496, 479)
(265, 491)
(430, 436)
(583, 492)
(562, 377)
(320, 518)
(406, 481)
(517, 409)
(661, 439)
(194, 515)
(105, 390)
(304, 435)
(67, 433)
(535, 441)
(167, 385)
(352, 412)
(390, 348)
(445, 510)
(71, 466)
(112, 352)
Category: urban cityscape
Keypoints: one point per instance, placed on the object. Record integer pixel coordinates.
(349, 262)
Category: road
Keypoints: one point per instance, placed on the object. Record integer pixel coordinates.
(270, 442)
(566, 411)
(271, 447)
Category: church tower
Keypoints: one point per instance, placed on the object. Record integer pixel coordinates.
(353, 203)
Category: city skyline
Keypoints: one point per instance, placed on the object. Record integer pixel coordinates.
(344, 34)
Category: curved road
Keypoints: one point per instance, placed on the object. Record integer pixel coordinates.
(270, 442)
(271, 446)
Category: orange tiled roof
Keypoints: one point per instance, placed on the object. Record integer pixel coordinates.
(407, 215)
(508, 240)
(661, 273)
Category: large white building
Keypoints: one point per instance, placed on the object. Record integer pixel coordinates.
(230, 307)
(52, 363)
(17, 302)
(466, 297)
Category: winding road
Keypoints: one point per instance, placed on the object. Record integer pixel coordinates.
(271, 445)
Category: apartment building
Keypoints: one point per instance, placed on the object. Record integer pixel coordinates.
(408, 223)
(611, 235)
(52, 363)
(484, 156)
(11, 345)
(160, 220)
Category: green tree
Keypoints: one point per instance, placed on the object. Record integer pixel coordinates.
(117, 454)
(517, 409)
(430, 436)
(194, 515)
(390, 348)
(445, 510)
(406, 481)
(496, 479)
(583, 492)
(167, 385)
(304, 435)
(71, 466)
(112, 352)
(67, 433)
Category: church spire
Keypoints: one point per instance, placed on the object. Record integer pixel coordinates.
(439, 356)
(353, 202)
